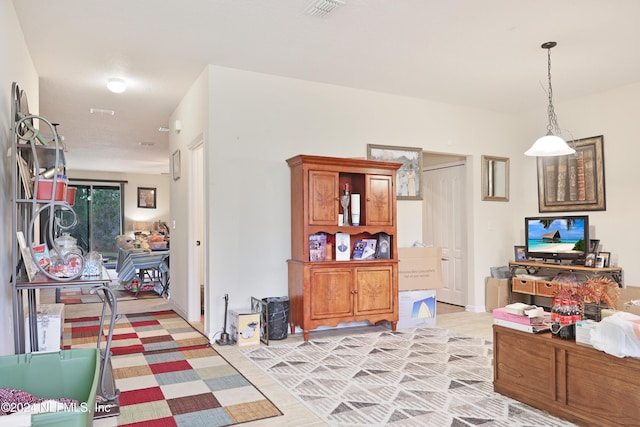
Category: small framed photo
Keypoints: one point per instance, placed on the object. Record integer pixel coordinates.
(146, 197)
(520, 253)
(606, 256)
(593, 245)
(590, 260)
(175, 165)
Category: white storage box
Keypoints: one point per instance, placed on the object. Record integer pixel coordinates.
(417, 309)
(244, 327)
(50, 328)
(583, 331)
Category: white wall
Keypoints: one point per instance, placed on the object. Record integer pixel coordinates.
(257, 121)
(613, 114)
(193, 112)
(15, 66)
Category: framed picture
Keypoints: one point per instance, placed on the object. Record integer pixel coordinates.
(520, 253)
(593, 245)
(408, 181)
(175, 165)
(590, 260)
(146, 197)
(606, 256)
(574, 182)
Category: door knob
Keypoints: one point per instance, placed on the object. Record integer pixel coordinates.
(197, 242)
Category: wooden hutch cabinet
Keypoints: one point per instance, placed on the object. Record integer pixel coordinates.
(330, 291)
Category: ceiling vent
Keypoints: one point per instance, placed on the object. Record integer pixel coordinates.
(102, 111)
(322, 7)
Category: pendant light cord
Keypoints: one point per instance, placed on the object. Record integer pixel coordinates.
(552, 127)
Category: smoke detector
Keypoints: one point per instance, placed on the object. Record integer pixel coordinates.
(322, 7)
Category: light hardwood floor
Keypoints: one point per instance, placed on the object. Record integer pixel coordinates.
(295, 413)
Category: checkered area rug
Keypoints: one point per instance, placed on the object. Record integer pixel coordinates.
(134, 333)
(168, 374)
(413, 377)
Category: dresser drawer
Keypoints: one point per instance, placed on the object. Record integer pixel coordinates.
(523, 286)
(547, 289)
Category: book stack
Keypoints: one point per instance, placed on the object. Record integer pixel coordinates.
(540, 320)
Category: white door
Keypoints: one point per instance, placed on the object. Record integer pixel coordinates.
(196, 247)
(445, 226)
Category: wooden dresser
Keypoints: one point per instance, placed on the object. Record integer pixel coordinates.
(329, 291)
(569, 380)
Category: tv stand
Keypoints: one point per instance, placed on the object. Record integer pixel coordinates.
(547, 288)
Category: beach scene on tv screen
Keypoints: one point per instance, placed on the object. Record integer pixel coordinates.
(558, 235)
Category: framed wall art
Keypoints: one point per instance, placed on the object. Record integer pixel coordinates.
(408, 177)
(574, 182)
(146, 197)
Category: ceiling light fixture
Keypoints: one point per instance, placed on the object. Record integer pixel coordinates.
(163, 129)
(116, 85)
(322, 7)
(552, 143)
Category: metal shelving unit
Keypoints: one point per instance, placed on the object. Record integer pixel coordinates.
(37, 153)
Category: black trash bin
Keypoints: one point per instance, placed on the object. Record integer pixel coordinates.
(277, 317)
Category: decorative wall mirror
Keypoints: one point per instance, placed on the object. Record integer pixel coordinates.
(495, 178)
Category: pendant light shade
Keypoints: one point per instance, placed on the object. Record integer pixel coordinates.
(551, 144)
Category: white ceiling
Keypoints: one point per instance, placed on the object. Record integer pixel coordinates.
(479, 53)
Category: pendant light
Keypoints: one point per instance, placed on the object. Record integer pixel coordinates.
(552, 143)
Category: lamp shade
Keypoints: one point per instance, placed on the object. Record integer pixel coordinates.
(549, 145)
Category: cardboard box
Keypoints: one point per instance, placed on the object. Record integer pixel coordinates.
(419, 268)
(628, 293)
(244, 327)
(416, 309)
(496, 293)
(50, 328)
(631, 308)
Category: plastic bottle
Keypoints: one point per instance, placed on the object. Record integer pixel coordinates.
(555, 311)
(566, 316)
(575, 311)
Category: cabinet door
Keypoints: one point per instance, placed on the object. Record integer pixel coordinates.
(331, 293)
(374, 290)
(379, 200)
(323, 198)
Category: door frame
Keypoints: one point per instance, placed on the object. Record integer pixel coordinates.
(197, 211)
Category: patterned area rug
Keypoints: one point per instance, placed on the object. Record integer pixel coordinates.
(168, 374)
(414, 377)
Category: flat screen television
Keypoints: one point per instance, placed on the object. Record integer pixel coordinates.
(557, 238)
